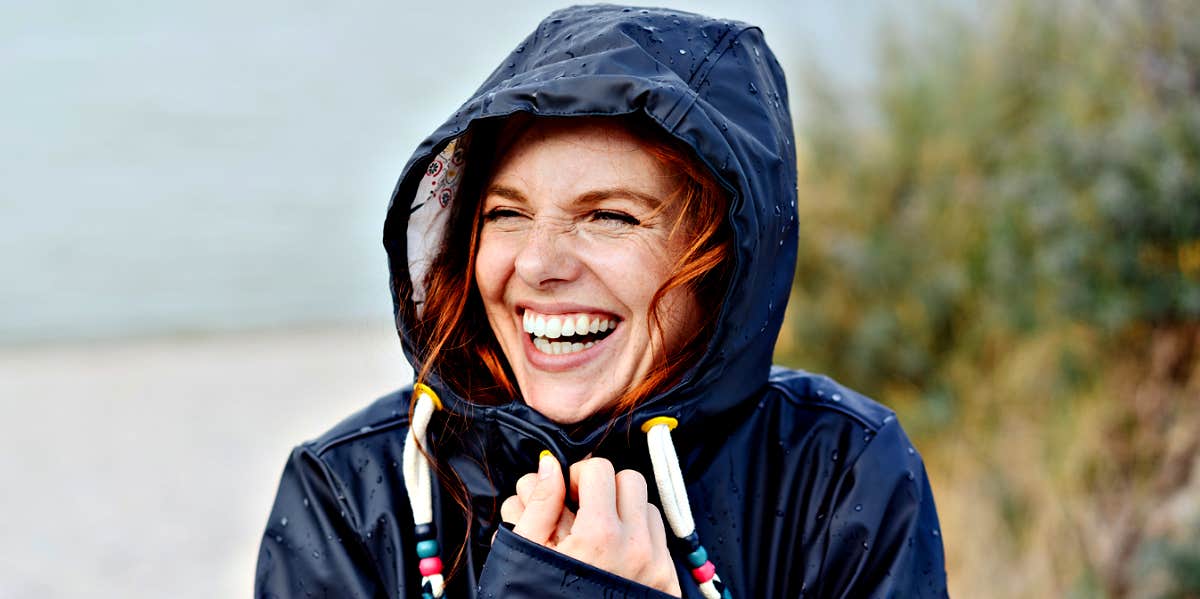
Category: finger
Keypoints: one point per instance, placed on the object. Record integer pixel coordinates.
(595, 482)
(511, 509)
(669, 580)
(545, 504)
(565, 521)
(657, 530)
(631, 497)
(525, 485)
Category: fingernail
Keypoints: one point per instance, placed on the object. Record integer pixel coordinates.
(545, 464)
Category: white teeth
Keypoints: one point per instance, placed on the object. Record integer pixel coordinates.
(544, 328)
(558, 348)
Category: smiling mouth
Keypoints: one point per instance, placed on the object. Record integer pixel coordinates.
(558, 334)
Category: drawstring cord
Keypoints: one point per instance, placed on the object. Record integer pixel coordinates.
(668, 477)
(418, 483)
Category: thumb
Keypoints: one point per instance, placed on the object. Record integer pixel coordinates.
(545, 503)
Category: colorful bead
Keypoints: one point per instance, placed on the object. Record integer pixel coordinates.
(430, 566)
(704, 573)
(425, 531)
(692, 541)
(697, 557)
(427, 548)
(426, 595)
(725, 594)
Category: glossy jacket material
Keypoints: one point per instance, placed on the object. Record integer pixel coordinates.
(800, 487)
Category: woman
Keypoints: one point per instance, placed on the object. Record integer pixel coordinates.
(590, 263)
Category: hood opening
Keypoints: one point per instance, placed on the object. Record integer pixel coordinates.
(724, 99)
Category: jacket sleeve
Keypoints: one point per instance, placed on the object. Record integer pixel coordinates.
(884, 539)
(310, 549)
(518, 568)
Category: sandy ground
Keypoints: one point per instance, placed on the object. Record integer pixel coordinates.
(147, 468)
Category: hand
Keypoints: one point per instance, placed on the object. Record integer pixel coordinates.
(616, 528)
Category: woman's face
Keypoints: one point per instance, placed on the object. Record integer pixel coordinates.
(576, 239)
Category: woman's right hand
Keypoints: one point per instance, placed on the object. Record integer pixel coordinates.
(616, 529)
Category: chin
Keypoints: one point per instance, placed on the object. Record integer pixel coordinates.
(552, 406)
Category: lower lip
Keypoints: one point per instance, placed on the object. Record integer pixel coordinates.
(561, 362)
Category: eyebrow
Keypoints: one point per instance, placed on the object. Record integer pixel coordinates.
(592, 197)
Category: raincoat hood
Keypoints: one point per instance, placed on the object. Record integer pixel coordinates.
(712, 84)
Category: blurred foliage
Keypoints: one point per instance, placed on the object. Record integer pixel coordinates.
(1005, 247)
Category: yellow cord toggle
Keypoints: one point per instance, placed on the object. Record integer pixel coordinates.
(420, 388)
(657, 420)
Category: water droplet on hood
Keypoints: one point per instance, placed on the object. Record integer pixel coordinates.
(836, 397)
(682, 51)
(858, 508)
(283, 521)
(753, 88)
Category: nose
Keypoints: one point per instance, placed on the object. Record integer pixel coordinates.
(547, 257)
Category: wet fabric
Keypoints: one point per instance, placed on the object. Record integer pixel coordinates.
(799, 486)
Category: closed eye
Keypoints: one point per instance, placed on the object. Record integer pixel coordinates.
(614, 216)
(496, 214)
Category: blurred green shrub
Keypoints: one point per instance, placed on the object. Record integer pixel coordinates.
(1005, 246)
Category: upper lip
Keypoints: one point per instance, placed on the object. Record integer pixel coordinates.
(562, 308)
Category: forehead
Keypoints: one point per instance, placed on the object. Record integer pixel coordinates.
(580, 155)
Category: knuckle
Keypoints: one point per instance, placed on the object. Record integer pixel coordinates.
(599, 466)
(631, 478)
(526, 483)
(511, 509)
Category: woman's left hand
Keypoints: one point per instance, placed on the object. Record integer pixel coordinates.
(616, 529)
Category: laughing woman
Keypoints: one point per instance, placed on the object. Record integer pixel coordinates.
(590, 263)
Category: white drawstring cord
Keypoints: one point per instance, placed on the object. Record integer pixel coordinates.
(417, 482)
(668, 477)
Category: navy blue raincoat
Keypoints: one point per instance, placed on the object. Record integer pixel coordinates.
(800, 487)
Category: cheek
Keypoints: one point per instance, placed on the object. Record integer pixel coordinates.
(633, 270)
(493, 264)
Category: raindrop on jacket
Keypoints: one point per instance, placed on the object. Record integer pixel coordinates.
(777, 516)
